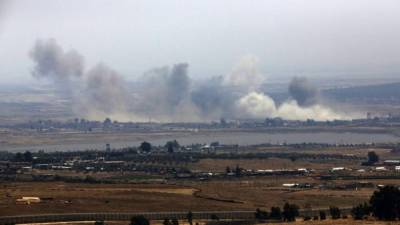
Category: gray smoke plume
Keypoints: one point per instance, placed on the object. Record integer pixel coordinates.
(301, 90)
(164, 90)
(99, 93)
(52, 62)
(104, 93)
(244, 75)
(168, 94)
(216, 98)
(178, 84)
(213, 99)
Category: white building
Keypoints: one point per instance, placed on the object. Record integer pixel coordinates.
(28, 200)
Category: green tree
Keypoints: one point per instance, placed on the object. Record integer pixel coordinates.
(139, 220)
(360, 211)
(335, 212)
(99, 222)
(261, 215)
(166, 222)
(385, 203)
(172, 146)
(227, 169)
(214, 217)
(290, 211)
(307, 211)
(276, 213)
(170, 149)
(19, 157)
(238, 171)
(322, 215)
(107, 121)
(372, 157)
(28, 156)
(145, 146)
(189, 217)
(174, 221)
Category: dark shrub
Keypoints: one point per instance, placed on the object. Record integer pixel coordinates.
(322, 215)
(335, 212)
(139, 220)
(385, 203)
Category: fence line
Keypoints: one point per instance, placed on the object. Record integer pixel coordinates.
(206, 215)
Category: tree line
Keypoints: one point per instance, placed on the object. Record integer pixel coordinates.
(384, 204)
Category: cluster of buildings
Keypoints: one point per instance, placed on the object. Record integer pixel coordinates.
(110, 125)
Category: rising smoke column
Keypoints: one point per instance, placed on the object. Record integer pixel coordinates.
(212, 99)
(164, 94)
(257, 105)
(303, 105)
(97, 94)
(216, 97)
(301, 90)
(245, 75)
(104, 94)
(291, 110)
(178, 84)
(53, 63)
(238, 95)
(168, 94)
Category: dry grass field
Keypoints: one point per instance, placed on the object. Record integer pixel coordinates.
(233, 194)
(70, 198)
(229, 194)
(265, 193)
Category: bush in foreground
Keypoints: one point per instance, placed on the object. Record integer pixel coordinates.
(276, 213)
(360, 211)
(139, 220)
(385, 203)
(322, 215)
(335, 212)
(290, 211)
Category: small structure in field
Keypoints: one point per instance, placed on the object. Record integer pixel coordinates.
(28, 200)
(335, 169)
(380, 168)
(290, 185)
(391, 162)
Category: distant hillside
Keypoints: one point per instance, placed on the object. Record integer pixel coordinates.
(381, 91)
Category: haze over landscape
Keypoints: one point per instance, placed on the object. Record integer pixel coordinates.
(204, 60)
(199, 112)
(307, 38)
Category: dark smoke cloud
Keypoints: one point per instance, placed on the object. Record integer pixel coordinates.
(301, 90)
(168, 94)
(99, 93)
(164, 89)
(52, 62)
(105, 91)
(178, 84)
(212, 98)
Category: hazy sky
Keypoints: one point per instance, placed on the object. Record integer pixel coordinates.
(310, 37)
